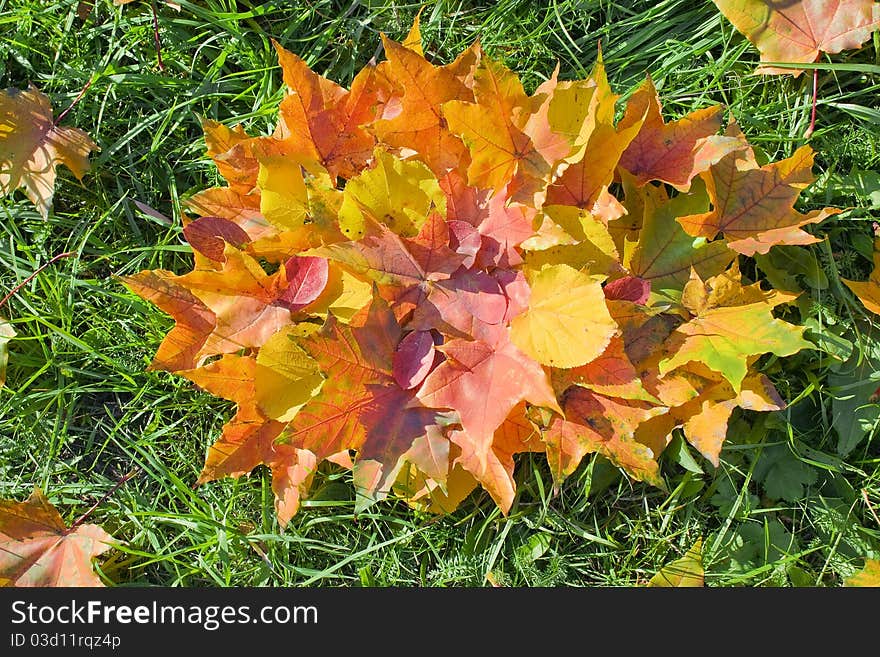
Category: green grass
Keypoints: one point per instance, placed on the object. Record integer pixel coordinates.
(787, 506)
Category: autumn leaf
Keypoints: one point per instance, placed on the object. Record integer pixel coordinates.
(417, 121)
(403, 268)
(250, 305)
(502, 374)
(567, 323)
(226, 203)
(232, 150)
(32, 146)
(754, 206)
(571, 236)
(705, 418)
(465, 305)
(508, 134)
(250, 438)
(326, 118)
(38, 549)
(671, 152)
(868, 576)
(361, 406)
(413, 359)
(494, 470)
(584, 182)
(664, 254)
(181, 347)
(595, 423)
(868, 291)
(684, 572)
(396, 193)
(502, 229)
(285, 376)
(301, 205)
(797, 31)
(612, 374)
(210, 235)
(726, 330)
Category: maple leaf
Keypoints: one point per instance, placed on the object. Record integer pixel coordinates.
(727, 330)
(567, 323)
(417, 121)
(664, 254)
(181, 347)
(508, 134)
(574, 237)
(671, 152)
(754, 206)
(431, 495)
(232, 150)
(413, 359)
(285, 376)
(595, 423)
(397, 193)
(226, 203)
(210, 235)
(503, 228)
(705, 418)
(682, 573)
(344, 296)
(250, 438)
(32, 146)
(585, 181)
(323, 120)
(628, 288)
(494, 470)
(796, 31)
(361, 406)
(403, 268)
(612, 374)
(250, 305)
(483, 381)
(247, 440)
(465, 305)
(37, 549)
(301, 205)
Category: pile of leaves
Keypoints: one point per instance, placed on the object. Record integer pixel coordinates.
(423, 275)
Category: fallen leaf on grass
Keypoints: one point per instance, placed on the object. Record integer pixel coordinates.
(37, 549)
(32, 146)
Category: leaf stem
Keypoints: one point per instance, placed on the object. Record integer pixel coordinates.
(91, 510)
(75, 101)
(156, 35)
(55, 259)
